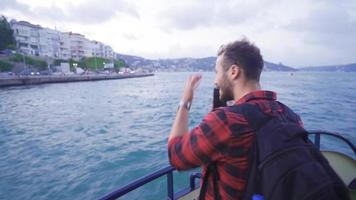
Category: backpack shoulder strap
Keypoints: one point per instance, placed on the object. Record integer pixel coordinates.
(211, 168)
(249, 111)
(256, 120)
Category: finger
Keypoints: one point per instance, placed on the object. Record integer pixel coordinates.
(196, 81)
(197, 78)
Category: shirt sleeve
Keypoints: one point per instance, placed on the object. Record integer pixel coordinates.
(203, 144)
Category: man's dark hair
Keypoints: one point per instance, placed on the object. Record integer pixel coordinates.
(244, 54)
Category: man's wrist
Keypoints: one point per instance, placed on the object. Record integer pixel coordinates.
(184, 104)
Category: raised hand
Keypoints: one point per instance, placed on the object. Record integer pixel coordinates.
(190, 85)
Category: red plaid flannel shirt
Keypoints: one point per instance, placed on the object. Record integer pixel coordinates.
(225, 138)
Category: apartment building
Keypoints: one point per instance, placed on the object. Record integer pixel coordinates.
(27, 37)
(108, 52)
(101, 50)
(49, 43)
(97, 48)
(64, 46)
(38, 41)
(79, 46)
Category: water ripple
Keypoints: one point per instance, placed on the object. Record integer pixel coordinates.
(82, 140)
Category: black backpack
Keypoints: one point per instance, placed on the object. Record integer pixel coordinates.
(286, 165)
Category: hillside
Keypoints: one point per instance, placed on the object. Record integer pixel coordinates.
(277, 67)
(186, 64)
(331, 68)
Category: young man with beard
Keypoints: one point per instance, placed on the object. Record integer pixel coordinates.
(224, 139)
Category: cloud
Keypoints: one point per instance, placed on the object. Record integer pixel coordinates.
(13, 5)
(130, 36)
(188, 16)
(94, 12)
(327, 19)
(51, 13)
(329, 28)
(10, 4)
(86, 12)
(299, 32)
(211, 13)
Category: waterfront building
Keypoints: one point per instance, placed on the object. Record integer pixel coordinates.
(49, 43)
(97, 49)
(79, 46)
(35, 40)
(108, 52)
(64, 50)
(26, 36)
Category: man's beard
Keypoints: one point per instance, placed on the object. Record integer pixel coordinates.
(226, 93)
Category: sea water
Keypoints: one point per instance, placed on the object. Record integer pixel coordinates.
(83, 140)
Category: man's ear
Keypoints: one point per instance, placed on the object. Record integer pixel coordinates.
(235, 71)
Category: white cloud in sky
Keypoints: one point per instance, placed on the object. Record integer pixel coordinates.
(296, 33)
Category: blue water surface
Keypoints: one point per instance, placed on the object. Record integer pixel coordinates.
(83, 140)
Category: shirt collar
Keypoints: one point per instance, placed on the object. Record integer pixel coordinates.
(259, 94)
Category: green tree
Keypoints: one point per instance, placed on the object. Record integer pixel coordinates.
(5, 66)
(119, 64)
(6, 34)
(37, 63)
(95, 63)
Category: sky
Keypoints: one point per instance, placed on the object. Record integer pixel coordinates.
(297, 33)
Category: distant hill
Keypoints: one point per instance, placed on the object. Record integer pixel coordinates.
(186, 64)
(277, 67)
(331, 68)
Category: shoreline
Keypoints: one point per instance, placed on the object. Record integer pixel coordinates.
(35, 80)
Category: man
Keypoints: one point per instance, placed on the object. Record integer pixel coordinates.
(225, 137)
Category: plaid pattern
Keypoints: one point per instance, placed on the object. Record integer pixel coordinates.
(224, 137)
